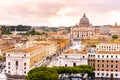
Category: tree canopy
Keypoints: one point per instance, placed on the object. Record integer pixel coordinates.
(115, 36)
(32, 32)
(1, 58)
(42, 73)
(45, 73)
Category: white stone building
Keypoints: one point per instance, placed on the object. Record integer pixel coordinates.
(74, 56)
(21, 59)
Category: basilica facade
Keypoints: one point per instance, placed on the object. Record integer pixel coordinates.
(83, 30)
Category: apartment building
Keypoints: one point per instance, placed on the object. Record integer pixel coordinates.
(107, 60)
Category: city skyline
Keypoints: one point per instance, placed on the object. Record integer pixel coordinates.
(58, 12)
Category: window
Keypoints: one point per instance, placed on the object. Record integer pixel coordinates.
(24, 67)
(89, 55)
(8, 67)
(102, 65)
(116, 66)
(24, 64)
(116, 56)
(111, 60)
(98, 65)
(34, 61)
(74, 64)
(24, 54)
(83, 56)
(65, 55)
(102, 60)
(102, 69)
(65, 65)
(98, 74)
(98, 61)
(111, 56)
(98, 56)
(16, 63)
(8, 63)
(8, 71)
(116, 74)
(102, 74)
(111, 65)
(102, 56)
(107, 66)
(107, 56)
(8, 54)
(107, 74)
(24, 72)
(91, 34)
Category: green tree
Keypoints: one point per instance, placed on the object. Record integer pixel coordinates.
(86, 69)
(45, 73)
(115, 36)
(32, 32)
(1, 58)
(28, 33)
(42, 73)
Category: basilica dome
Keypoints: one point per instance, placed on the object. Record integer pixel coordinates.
(84, 21)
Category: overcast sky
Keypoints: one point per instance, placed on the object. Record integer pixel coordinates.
(58, 12)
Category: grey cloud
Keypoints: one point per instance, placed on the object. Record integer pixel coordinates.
(43, 10)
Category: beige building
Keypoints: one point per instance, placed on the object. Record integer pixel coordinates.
(115, 30)
(51, 47)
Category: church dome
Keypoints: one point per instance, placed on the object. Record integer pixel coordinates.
(84, 21)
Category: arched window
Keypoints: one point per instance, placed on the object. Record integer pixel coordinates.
(16, 63)
(78, 35)
(74, 64)
(8, 63)
(24, 64)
